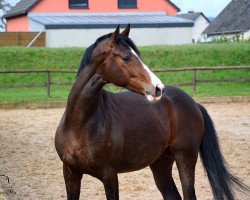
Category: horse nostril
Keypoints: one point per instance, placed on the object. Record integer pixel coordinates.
(158, 91)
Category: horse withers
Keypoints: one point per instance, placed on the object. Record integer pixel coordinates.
(103, 134)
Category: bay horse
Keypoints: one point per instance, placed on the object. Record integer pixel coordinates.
(103, 133)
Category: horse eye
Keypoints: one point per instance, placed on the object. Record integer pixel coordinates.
(126, 58)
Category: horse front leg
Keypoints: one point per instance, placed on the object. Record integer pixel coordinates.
(72, 182)
(110, 182)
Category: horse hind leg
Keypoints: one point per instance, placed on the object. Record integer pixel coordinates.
(186, 162)
(162, 172)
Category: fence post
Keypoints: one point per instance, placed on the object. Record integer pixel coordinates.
(48, 83)
(194, 81)
(17, 38)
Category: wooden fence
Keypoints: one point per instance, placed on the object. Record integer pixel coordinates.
(21, 38)
(192, 83)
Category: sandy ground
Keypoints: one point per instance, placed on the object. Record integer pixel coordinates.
(29, 159)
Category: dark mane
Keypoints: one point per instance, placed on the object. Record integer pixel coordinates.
(124, 40)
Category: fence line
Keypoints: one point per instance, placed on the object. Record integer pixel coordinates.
(22, 38)
(193, 83)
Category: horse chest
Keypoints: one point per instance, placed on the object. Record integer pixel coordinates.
(89, 149)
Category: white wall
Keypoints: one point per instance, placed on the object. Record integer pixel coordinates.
(247, 35)
(161, 36)
(199, 26)
(141, 36)
(34, 26)
(230, 37)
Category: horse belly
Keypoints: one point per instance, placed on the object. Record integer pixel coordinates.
(143, 146)
(140, 158)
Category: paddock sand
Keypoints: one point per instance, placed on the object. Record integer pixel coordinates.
(29, 159)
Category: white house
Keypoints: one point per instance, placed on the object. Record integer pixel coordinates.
(71, 23)
(201, 22)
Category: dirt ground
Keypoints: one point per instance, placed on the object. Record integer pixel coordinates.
(29, 159)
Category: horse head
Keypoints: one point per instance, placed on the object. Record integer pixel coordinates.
(119, 61)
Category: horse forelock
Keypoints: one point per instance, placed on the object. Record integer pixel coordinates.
(123, 40)
(128, 43)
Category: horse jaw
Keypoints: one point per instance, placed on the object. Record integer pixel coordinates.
(151, 98)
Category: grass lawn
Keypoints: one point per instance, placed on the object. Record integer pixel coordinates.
(157, 57)
(227, 54)
(17, 95)
(60, 93)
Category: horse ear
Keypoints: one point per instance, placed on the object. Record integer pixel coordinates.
(115, 35)
(126, 30)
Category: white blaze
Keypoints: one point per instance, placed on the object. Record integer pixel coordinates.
(155, 81)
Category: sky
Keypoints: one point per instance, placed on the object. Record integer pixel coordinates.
(211, 8)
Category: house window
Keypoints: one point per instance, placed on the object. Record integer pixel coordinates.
(127, 3)
(78, 3)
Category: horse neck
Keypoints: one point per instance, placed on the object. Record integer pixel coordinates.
(82, 79)
(84, 96)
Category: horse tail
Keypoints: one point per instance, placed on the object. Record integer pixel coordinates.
(220, 178)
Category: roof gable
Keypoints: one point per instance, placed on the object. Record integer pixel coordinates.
(234, 18)
(21, 8)
(172, 4)
(192, 16)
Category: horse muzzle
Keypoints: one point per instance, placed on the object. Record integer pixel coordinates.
(156, 93)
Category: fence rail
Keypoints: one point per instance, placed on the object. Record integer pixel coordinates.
(193, 82)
